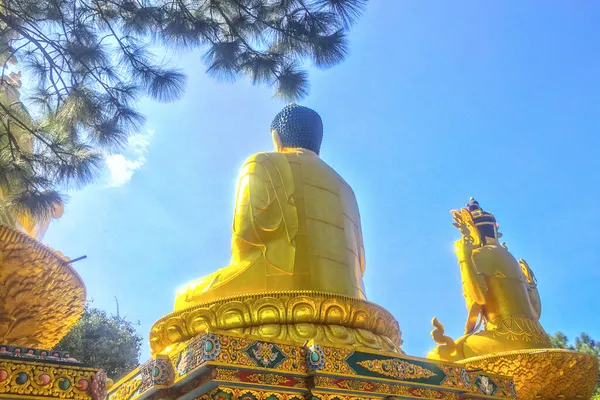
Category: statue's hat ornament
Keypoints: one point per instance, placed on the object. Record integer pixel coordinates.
(480, 217)
(299, 126)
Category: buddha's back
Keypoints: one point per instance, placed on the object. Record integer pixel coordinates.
(329, 247)
(296, 225)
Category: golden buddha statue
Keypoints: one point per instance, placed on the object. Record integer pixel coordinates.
(297, 256)
(296, 224)
(500, 292)
(502, 297)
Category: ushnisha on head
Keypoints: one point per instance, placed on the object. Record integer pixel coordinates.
(297, 127)
(485, 222)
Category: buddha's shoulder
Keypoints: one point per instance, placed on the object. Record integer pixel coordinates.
(276, 157)
(265, 157)
(314, 165)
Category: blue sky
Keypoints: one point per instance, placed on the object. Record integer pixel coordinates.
(437, 101)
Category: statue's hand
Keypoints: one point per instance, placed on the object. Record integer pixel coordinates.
(463, 249)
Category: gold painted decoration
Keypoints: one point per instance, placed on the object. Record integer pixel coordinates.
(345, 384)
(382, 388)
(543, 374)
(455, 376)
(41, 295)
(397, 369)
(329, 396)
(295, 317)
(228, 393)
(519, 329)
(245, 361)
(265, 355)
(33, 379)
(268, 379)
(126, 390)
(239, 351)
(226, 374)
(259, 378)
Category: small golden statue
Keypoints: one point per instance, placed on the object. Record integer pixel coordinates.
(500, 292)
(502, 298)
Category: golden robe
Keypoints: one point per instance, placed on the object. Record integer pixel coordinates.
(296, 226)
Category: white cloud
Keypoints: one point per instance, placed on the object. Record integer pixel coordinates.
(121, 167)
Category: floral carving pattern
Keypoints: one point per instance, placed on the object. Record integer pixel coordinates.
(397, 369)
(265, 355)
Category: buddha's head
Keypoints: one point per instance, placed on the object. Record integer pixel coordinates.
(297, 127)
(485, 223)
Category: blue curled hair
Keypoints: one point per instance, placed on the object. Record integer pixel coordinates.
(299, 127)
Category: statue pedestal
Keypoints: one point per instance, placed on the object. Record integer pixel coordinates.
(543, 373)
(27, 373)
(41, 298)
(293, 317)
(228, 366)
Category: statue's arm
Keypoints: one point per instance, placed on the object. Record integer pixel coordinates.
(532, 290)
(265, 218)
(474, 289)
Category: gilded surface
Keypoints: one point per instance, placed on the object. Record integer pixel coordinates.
(296, 226)
(154, 374)
(543, 374)
(41, 295)
(259, 378)
(500, 293)
(294, 317)
(21, 378)
(126, 390)
(246, 360)
(390, 389)
(226, 393)
(329, 396)
(397, 369)
(238, 351)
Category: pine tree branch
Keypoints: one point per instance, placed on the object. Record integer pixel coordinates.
(35, 42)
(25, 126)
(266, 23)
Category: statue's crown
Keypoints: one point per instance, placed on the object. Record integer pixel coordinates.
(480, 217)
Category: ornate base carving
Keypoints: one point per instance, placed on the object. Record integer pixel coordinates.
(32, 377)
(41, 295)
(294, 317)
(543, 374)
(226, 366)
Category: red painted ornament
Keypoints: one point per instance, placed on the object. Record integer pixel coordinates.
(44, 379)
(83, 385)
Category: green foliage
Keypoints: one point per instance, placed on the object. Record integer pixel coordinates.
(583, 344)
(103, 341)
(559, 341)
(90, 62)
